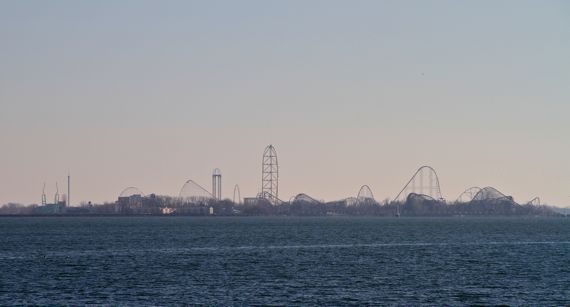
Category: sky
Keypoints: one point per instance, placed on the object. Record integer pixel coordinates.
(153, 93)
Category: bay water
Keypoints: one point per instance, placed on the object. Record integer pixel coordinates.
(284, 261)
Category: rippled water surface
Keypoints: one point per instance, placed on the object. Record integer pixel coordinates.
(284, 261)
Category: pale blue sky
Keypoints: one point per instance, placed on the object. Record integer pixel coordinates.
(152, 93)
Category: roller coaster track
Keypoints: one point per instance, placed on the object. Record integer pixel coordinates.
(432, 187)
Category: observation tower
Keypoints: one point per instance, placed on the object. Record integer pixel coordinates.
(217, 184)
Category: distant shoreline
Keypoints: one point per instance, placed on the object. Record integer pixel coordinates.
(283, 216)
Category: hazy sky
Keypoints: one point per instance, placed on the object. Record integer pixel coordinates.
(153, 93)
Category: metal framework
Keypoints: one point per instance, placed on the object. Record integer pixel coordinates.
(534, 202)
(270, 175)
(303, 198)
(490, 193)
(365, 196)
(56, 196)
(237, 192)
(192, 191)
(468, 195)
(131, 198)
(217, 184)
(131, 191)
(423, 182)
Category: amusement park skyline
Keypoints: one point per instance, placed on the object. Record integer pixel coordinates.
(148, 94)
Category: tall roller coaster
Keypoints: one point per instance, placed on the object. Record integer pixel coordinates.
(270, 176)
(193, 192)
(423, 182)
(365, 196)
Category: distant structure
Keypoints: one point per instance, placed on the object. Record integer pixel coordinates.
(56, 196)
(237, 200)
(58, 205)
(256, 201)
(217, 184)
(68, 200)
(131, 191)
(350, 201)
(468, 195)
(424, 182)
(131, 198)
(44, 199)
(304, 198)
(534, 202)
(192, 192)
(491, 194)
(365, 196)
(270, 176)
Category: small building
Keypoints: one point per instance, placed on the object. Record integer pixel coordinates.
(255, 201)
(126, 204)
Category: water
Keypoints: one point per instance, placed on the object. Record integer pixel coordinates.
(284, 261)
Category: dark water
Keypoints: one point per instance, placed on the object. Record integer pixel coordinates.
(284, 261)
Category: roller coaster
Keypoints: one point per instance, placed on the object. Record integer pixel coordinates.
(490, 194)
(193, 192)
(304, 198)
(365, 196)
(423, 185)
(468, 195)
(237, 200)
(131, 191)
(424, 182)
(534, 202)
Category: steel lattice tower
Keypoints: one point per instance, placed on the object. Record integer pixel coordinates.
(270, 175)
